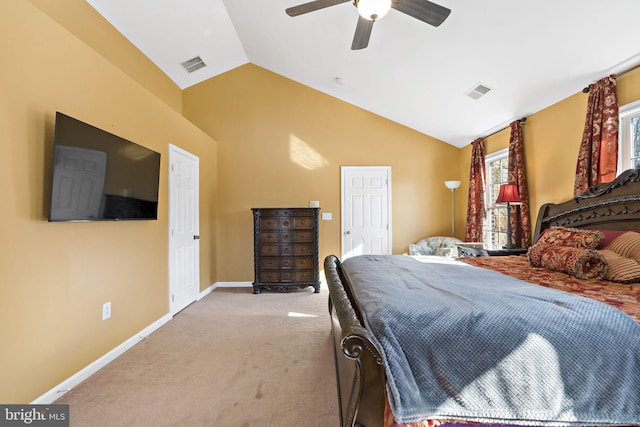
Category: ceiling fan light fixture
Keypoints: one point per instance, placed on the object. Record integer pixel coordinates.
(373, 9)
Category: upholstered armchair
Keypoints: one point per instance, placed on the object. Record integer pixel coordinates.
(436, 245)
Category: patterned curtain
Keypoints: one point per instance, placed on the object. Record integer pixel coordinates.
(476, 213)
(598, 155)
(519, 217)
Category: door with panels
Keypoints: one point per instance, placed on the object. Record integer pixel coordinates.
(184, 229)
(366, 210)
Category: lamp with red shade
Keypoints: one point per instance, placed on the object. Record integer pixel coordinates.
(508, 194)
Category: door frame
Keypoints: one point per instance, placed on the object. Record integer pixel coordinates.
(343, 169)
(173, 151)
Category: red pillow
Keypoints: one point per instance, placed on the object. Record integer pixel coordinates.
(564, 237)
(571, 237)
(587, 264)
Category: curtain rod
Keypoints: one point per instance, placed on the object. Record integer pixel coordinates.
(620, 74)
(522, 120)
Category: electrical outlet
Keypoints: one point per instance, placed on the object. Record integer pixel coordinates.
(106, 310)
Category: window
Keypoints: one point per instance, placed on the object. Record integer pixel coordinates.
(629, 137)
(497, 165)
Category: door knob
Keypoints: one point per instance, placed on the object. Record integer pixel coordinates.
(196, 237)
(347, 232)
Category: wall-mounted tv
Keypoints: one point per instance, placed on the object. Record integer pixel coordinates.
(98, 176)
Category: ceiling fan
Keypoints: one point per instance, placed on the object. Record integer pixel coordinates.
(372, 10)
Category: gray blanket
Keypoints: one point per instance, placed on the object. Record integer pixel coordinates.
(467, 343)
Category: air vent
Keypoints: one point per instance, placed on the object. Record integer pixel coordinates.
(478, 91)
(193, 64)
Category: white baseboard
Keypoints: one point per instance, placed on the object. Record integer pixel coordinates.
(207, 291)
(224, 285)
(234, 284)
(65, 386)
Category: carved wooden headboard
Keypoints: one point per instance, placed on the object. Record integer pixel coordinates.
(610, 206)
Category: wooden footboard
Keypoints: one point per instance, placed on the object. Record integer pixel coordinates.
(359, 371)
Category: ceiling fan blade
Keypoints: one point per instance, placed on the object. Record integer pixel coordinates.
(423, 10)
(363, 32)
(311, 6)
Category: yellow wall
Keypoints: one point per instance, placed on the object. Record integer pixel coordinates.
(83, 21)
(552, 139)
(56, 276)
(281, 144)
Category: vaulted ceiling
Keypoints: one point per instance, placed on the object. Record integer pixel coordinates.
(530, 54)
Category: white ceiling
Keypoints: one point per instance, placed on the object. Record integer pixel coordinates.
(530, 53)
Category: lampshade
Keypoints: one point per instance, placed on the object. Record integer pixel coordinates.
(373, 9)
(452, 185)
(508, 194)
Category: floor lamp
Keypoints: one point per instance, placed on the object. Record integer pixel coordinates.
(508, 194)
(452, 185)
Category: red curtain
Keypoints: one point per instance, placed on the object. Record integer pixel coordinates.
(598, 155)
(519, 217)
(475, 206)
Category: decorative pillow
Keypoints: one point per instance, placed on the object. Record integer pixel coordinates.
(566, 237)
(626, 245)
(535, 253)
(419, 249)
(609, 235)
(582, 263)
(571, 237)
(444, 252)
(435, 245)
(621, 269)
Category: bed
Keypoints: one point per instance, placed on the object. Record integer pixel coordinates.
(495, 340)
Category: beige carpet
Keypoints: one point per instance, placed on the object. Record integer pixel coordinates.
(232, 359)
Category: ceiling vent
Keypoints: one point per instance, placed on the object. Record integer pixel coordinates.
(193, 64)
(478, 91)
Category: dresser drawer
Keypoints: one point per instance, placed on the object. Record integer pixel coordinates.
(303, 222)
(303, 236)
(269, 250)
(286, 276)
(286, 250)
(304, 276)
(268, 237)
(303, 262)
(285, 236)
(270, 276)
(303, 249)
(286, 263)
(270, 263)
(269, 223)
(285, 223)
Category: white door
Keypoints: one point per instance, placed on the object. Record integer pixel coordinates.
(184, 238)
(366, 210)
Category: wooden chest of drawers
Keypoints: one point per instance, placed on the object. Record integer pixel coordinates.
(285, 249)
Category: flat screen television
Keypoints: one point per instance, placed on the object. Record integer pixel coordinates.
(98, 176)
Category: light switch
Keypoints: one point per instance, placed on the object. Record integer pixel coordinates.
(326, 216)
